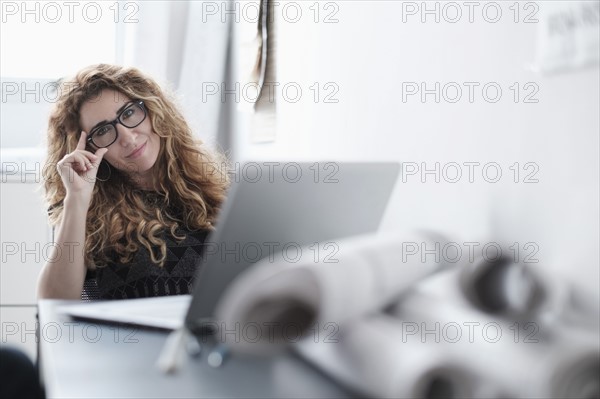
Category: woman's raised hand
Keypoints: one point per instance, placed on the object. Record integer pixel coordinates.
(79, 168)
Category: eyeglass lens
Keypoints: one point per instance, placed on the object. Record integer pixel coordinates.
(130, 117)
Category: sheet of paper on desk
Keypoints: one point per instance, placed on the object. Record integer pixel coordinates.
(166, 312)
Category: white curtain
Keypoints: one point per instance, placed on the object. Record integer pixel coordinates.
(184, 47)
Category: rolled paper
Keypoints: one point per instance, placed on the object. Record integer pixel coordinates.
(502, 287)
(371, 358)
(576, 375)
(524, 359)
(516, 292)
(278, 302)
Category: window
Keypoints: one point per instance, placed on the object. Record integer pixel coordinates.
(41, 42)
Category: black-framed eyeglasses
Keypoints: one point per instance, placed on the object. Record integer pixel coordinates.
(104, 135)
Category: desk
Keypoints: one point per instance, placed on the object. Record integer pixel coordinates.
(96, 360)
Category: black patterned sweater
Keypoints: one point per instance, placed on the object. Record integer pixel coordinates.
(141, 277)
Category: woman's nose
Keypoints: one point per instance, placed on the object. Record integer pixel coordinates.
(126, 136)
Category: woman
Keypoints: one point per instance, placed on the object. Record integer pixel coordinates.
(131, 193)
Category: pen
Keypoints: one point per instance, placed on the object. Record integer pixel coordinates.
(171, 356)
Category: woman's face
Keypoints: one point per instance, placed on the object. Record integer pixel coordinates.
(136, 149)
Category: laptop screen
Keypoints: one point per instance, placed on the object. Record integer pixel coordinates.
(273, 209)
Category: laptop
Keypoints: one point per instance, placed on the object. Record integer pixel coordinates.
(270, 207)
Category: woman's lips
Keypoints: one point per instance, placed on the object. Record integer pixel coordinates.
(137, 153)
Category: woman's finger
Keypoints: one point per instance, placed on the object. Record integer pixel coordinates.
(82, 141)
(92, 170)
(99, 155)
(89, 157)
(77, 161)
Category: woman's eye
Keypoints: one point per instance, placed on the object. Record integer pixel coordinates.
(102, 131)
(127, 113)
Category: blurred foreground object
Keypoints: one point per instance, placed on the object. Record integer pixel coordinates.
(387, 324)
(363, 274)
(18, 376)
(568, 35)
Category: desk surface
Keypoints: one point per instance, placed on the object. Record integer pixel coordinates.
(84, 360)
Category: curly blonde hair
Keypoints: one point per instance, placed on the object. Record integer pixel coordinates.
(190, 178)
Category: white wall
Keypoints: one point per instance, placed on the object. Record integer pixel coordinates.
(371, 52)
